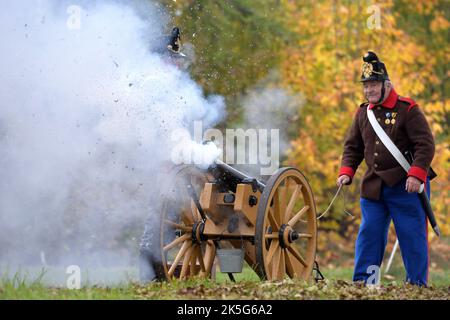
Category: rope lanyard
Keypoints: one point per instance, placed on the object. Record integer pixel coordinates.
(332, 201)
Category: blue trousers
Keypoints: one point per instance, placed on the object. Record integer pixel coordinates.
(410, 224)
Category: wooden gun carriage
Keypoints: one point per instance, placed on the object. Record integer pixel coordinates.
(274, 223)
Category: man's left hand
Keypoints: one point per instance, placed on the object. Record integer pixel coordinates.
(413, 184)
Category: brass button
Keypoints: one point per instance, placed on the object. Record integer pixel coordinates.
(376, 154)
(377, 142)
(378, 119)
(375, 165)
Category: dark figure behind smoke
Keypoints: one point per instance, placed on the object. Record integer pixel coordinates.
(170, 50)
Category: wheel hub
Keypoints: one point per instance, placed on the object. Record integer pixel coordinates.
(197, 232)
(287, 235)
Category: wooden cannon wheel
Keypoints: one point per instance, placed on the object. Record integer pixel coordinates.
(286, 228)
(180, 255)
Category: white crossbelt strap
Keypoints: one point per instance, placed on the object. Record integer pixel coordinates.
(388, 143)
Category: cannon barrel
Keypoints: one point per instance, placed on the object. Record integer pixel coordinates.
(230, 177)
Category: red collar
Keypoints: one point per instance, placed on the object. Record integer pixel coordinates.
(390, 101)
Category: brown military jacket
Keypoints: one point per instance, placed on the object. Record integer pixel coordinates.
(407, 127)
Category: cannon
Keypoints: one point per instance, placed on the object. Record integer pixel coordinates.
(220, 208)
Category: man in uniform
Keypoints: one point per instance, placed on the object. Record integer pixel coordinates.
(387, 190)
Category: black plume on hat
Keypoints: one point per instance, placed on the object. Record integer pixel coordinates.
(171, 44)
(373, 69)
(174, 40)
(370, 56)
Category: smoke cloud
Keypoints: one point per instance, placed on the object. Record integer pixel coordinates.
(269, 108)
(87, 108)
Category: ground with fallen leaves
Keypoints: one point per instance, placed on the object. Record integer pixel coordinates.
(291, 290)
(337, 285)
(207, 289)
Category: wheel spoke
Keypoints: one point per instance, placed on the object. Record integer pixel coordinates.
(305, 235)
(200, 259)
(272, 221)
(186, 216)
(176, 242)
(296, 265)
(193, 262)
(276, 264)
(194, 211)
(271, 236)
(186, 245)
(273, 246)
(291, 203)
(209, 255)
(187, 199)
(282, 267)
(297, 216)
(297, 256)
(280, 204)
(177, 225)
(289, 265)
(186, 262)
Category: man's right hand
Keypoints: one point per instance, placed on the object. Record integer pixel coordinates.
(344, 179)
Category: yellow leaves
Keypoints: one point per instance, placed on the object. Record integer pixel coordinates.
(436, 128)
(435, 113)
(440, 187)
(437, 107)
(439, 23)
(424, 6)
(388, 21)
(343, 9)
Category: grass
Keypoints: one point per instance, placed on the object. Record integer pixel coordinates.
(337, 285)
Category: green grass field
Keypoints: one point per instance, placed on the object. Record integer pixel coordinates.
(337, 285)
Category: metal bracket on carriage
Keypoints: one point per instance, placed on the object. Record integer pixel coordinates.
(251, 181)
